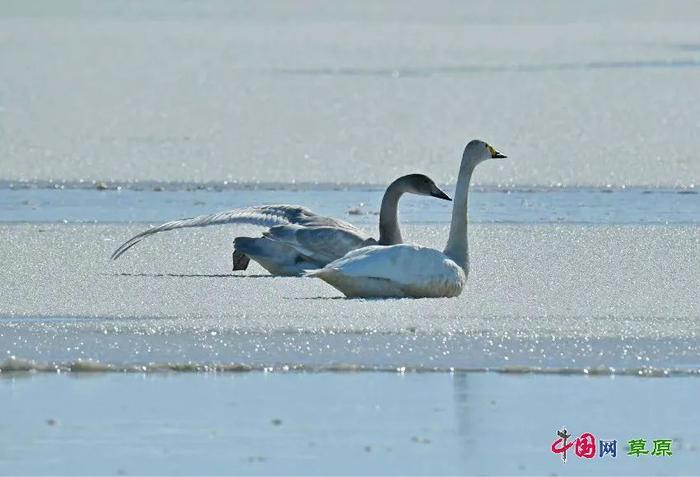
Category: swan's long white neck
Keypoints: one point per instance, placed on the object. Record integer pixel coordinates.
(389, 232)
(457, 247)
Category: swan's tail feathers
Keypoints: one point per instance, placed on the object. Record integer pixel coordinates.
(248, 245)
(318, 273)
(269, 250)
(240, 261)
(264, 215)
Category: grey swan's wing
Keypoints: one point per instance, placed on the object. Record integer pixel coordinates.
(263, 215)
(322, 244)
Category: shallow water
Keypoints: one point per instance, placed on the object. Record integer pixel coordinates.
(160, 202)
(330, 423)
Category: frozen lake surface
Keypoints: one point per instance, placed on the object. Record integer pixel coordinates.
(593, 282)
(576, 94)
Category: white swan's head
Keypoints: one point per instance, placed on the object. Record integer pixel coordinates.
(479, 151)
(422, 185)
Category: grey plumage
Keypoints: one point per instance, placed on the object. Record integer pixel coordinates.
(299, 239)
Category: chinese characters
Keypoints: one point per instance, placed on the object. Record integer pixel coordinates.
(586, 444)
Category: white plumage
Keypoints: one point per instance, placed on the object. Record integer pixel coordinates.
(395, 271)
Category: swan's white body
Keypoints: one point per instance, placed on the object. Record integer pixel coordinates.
(394, 271)
(298, 239)
(408, 270)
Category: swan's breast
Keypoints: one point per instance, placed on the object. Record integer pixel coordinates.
(445, 279)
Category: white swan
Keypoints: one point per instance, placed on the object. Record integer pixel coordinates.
(409, 270)
(298, 239)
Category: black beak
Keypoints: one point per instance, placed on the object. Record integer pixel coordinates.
(498, 155)
(440, 194)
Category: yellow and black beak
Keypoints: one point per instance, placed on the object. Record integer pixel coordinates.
(494, 153)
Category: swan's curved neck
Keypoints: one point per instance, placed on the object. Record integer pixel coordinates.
(457, 247)
(389, 232)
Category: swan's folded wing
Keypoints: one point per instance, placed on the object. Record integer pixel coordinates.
(264, 215)
(320, 244)
(402, 263)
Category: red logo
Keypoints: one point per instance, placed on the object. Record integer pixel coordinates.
(584, 445)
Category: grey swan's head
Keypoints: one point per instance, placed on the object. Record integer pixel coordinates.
(421, 184)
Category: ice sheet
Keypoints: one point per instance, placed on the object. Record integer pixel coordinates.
(538, 295)
(574, 94)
